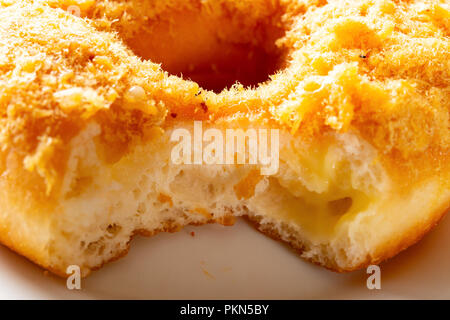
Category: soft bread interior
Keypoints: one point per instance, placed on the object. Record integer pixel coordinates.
(329, 198)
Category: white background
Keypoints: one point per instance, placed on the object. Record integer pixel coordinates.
(234, 263)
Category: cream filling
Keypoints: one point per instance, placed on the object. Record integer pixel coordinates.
(316, 188)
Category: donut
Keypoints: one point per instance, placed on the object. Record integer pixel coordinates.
(116, 117)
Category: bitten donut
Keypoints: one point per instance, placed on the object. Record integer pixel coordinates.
(351, 99)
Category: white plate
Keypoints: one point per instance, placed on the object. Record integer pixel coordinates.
(234, 263)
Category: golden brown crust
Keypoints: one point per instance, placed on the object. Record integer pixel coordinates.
(383, 253)
(411, 238)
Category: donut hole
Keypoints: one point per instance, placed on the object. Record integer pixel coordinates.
(216, 49)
